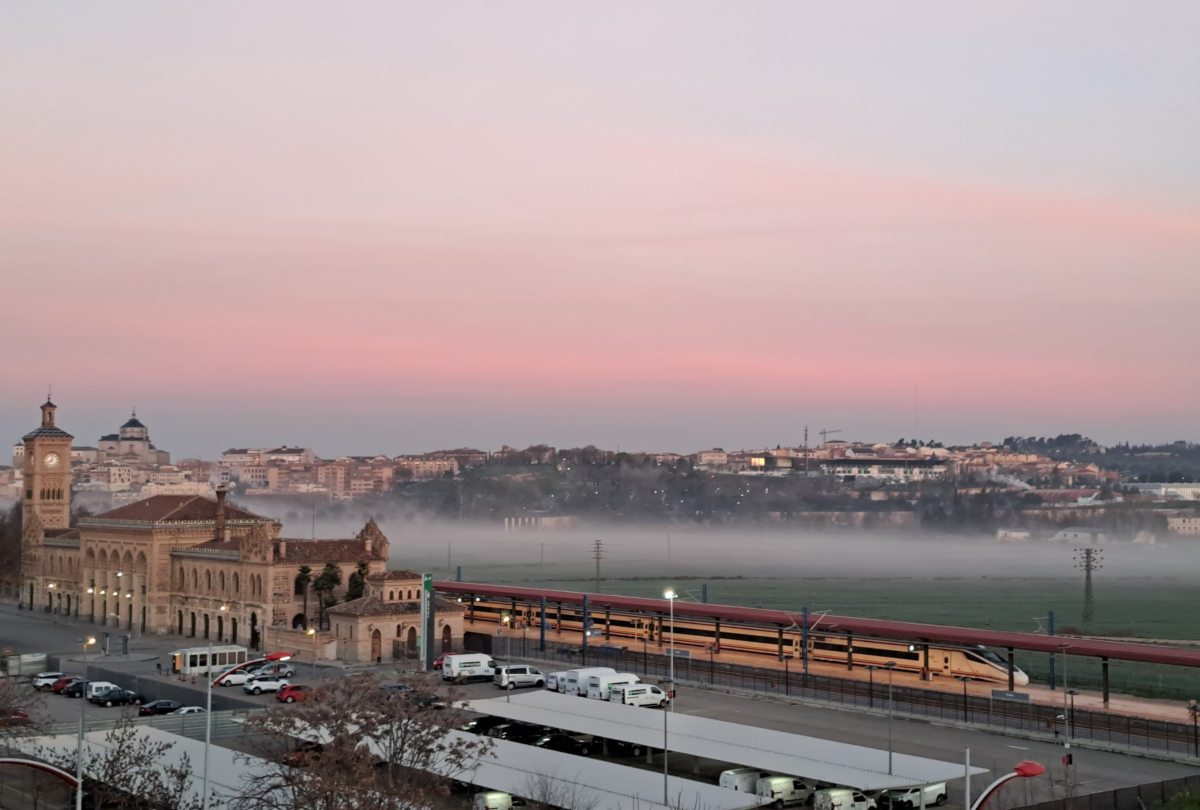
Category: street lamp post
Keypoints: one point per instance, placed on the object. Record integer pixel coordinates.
(966, 713)
(787, 680)
(670, 595)
(1194, 711)
(312, 633)
(871, 685)
(1071, 715)
(207, 720)
(87, 642)
(890, 666)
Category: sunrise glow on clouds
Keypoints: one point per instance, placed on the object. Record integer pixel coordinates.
(399, 231)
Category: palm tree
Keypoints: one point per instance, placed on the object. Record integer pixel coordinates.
(358, 581)
(303, 579)
(329, 578)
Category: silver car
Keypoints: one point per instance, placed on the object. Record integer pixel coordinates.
(518, 675)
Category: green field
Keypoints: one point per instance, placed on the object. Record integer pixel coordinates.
(1146, 593)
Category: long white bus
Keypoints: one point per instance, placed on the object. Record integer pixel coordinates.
(194, 660)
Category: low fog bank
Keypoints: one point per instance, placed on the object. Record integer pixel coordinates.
(489, 552)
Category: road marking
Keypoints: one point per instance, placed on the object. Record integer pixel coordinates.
(1019, 747)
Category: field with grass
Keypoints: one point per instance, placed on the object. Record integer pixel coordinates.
(1147, 593)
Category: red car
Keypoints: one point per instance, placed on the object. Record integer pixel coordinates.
(293, 692)
(63, 682)
(16, 717)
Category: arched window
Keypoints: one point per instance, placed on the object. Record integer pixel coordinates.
(237, 583)
(222, 581)
(208, 580)
(399, 629)
(195, 579)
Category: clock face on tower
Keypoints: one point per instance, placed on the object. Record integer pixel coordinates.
(51, 459)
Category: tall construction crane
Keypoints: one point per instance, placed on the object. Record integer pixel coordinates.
(825, 434)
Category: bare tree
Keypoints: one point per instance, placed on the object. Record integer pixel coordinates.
(20, 707)
(128, 771)
(546, 792)
(355, 744)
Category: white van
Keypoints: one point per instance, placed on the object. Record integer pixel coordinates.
(518, 675)
(496, 800)
(842, 799)
(905, 798)
(553, 679)
(638, 694)
(96, 687)
(599, 686)
(780, 790)
(743, 779)
(468, 667)
(576, 681)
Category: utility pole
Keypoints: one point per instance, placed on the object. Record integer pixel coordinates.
(1088, 560)
(598, 555)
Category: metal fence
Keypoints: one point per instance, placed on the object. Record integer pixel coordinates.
(1179, 740)
(1138, 797)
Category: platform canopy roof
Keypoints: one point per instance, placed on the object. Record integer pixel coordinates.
(812, 758)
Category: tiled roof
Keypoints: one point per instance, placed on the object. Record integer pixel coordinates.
(388, 576)
(374, 606)
(325, 551)
(173, 508)
(47, 433)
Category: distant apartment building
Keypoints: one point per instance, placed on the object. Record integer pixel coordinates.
(900, 470)
(466, 457)
(422, 467)
(289, 455)
(709, 459)
(240, 457)
(107, 477)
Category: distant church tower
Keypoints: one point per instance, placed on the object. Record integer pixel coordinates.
(47, 473)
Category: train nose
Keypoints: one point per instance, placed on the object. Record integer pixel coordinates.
(1020, 678)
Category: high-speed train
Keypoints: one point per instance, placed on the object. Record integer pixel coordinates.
(976, 662)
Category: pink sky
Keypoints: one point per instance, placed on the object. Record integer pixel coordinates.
(399, 230)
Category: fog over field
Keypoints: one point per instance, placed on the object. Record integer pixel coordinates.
(770, 552)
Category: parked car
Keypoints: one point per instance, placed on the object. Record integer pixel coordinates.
(841, 799)
(235, 678)
(264, 683)
(15, 717)
(620, 748)
(906, 798)
(159, 707)
(518, 732)
(303, 754)
(482, 724)
(566, 744)
(75, 689)
(496, 800)
(518, 675)
(293, 692)
(116, 697)
(63, 682)
(281, 668)
(437, 663)
(44, 680)
(189, 710)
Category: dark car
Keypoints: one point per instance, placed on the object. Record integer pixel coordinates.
(518, 732)
(620, 748)
(116, 697)
(74, 690)
(303, 755)
(63, 682)
(566, 744)
(160, 707)
(483, 724)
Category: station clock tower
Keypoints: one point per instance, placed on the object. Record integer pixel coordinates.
(47, 471)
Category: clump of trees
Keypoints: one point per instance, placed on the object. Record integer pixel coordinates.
(355, 744)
